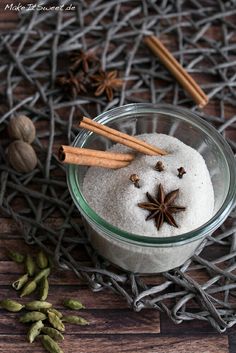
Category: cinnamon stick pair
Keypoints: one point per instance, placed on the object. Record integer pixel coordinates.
(106, 159)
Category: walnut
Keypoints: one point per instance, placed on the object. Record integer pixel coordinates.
(22, 128)
(21, 156)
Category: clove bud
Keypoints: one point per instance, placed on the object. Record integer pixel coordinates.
(181, 172)
(134, 178)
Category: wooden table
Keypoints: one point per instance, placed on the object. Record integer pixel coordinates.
(113, 327)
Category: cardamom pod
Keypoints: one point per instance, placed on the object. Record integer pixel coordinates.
(73, 304)
(28, 288)
(55, 311)
(30, 265)
(16, 256)
(42, 260)
(44, 287)
(37, 305)
(73, 319)
(33, 316)
(11, 305)
(44, 273)
(34, 331)
(55, 321)
(50, 345)
(53, 333)
(20, 282)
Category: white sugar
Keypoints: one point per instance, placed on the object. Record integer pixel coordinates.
(111, 194)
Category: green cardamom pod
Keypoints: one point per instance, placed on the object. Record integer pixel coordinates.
(28, 288)
(53, 333)
(20, 282)
(73, 304)
(34, 331)
(16, 256)
(73, 319)
(50, 345)
(33, 316)
(37, 305)
(55, 311)
(30, 265)
(44, 273)
(11, 305)
(44, 287)
(42, 260)
(55, 321)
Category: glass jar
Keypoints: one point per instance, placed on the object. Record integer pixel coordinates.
(144, 254)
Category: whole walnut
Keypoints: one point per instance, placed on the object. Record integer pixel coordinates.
(21, 156)
(21, 128)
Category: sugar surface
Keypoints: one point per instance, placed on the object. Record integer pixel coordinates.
(111, 194)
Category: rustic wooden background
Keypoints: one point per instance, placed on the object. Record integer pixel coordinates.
(113, 327)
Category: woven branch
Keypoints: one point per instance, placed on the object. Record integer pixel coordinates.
(201, 35)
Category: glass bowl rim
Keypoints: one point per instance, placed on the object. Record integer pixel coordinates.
(183, 114)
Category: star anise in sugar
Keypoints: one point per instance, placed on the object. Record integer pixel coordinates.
(162, 207)
(83, 59)
(73, 85)
(106, 82)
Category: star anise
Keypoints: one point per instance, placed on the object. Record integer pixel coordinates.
(106, 82)
(162, 207)
(83, 59)
(73, 85)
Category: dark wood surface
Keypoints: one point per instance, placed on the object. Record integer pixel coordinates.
(113, 327)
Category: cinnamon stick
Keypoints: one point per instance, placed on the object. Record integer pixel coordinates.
(87, 156)
(79, 159)
(120, 137)
(177, 70)
(64, 150)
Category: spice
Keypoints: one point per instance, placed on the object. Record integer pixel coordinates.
(11, 305)
(44, 287)
(56, 312)
(16, 256)
(181, 172)
(159, 166)
(22, 128)
(50, 345)
(34, 331)
(83, 60)
(177, 70)
(76, 320)
(30, 265)
(53, 333)
(41, 310)
(28, 288)
(37, 305)
(120, 137)
(106, 82)
(33, 316)
(44, 273)
(42, 260)
(55, 321)
(21, 156)
(134, 178)
(162, 207)
(20, 282)
(72, 84)
(73, 304)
